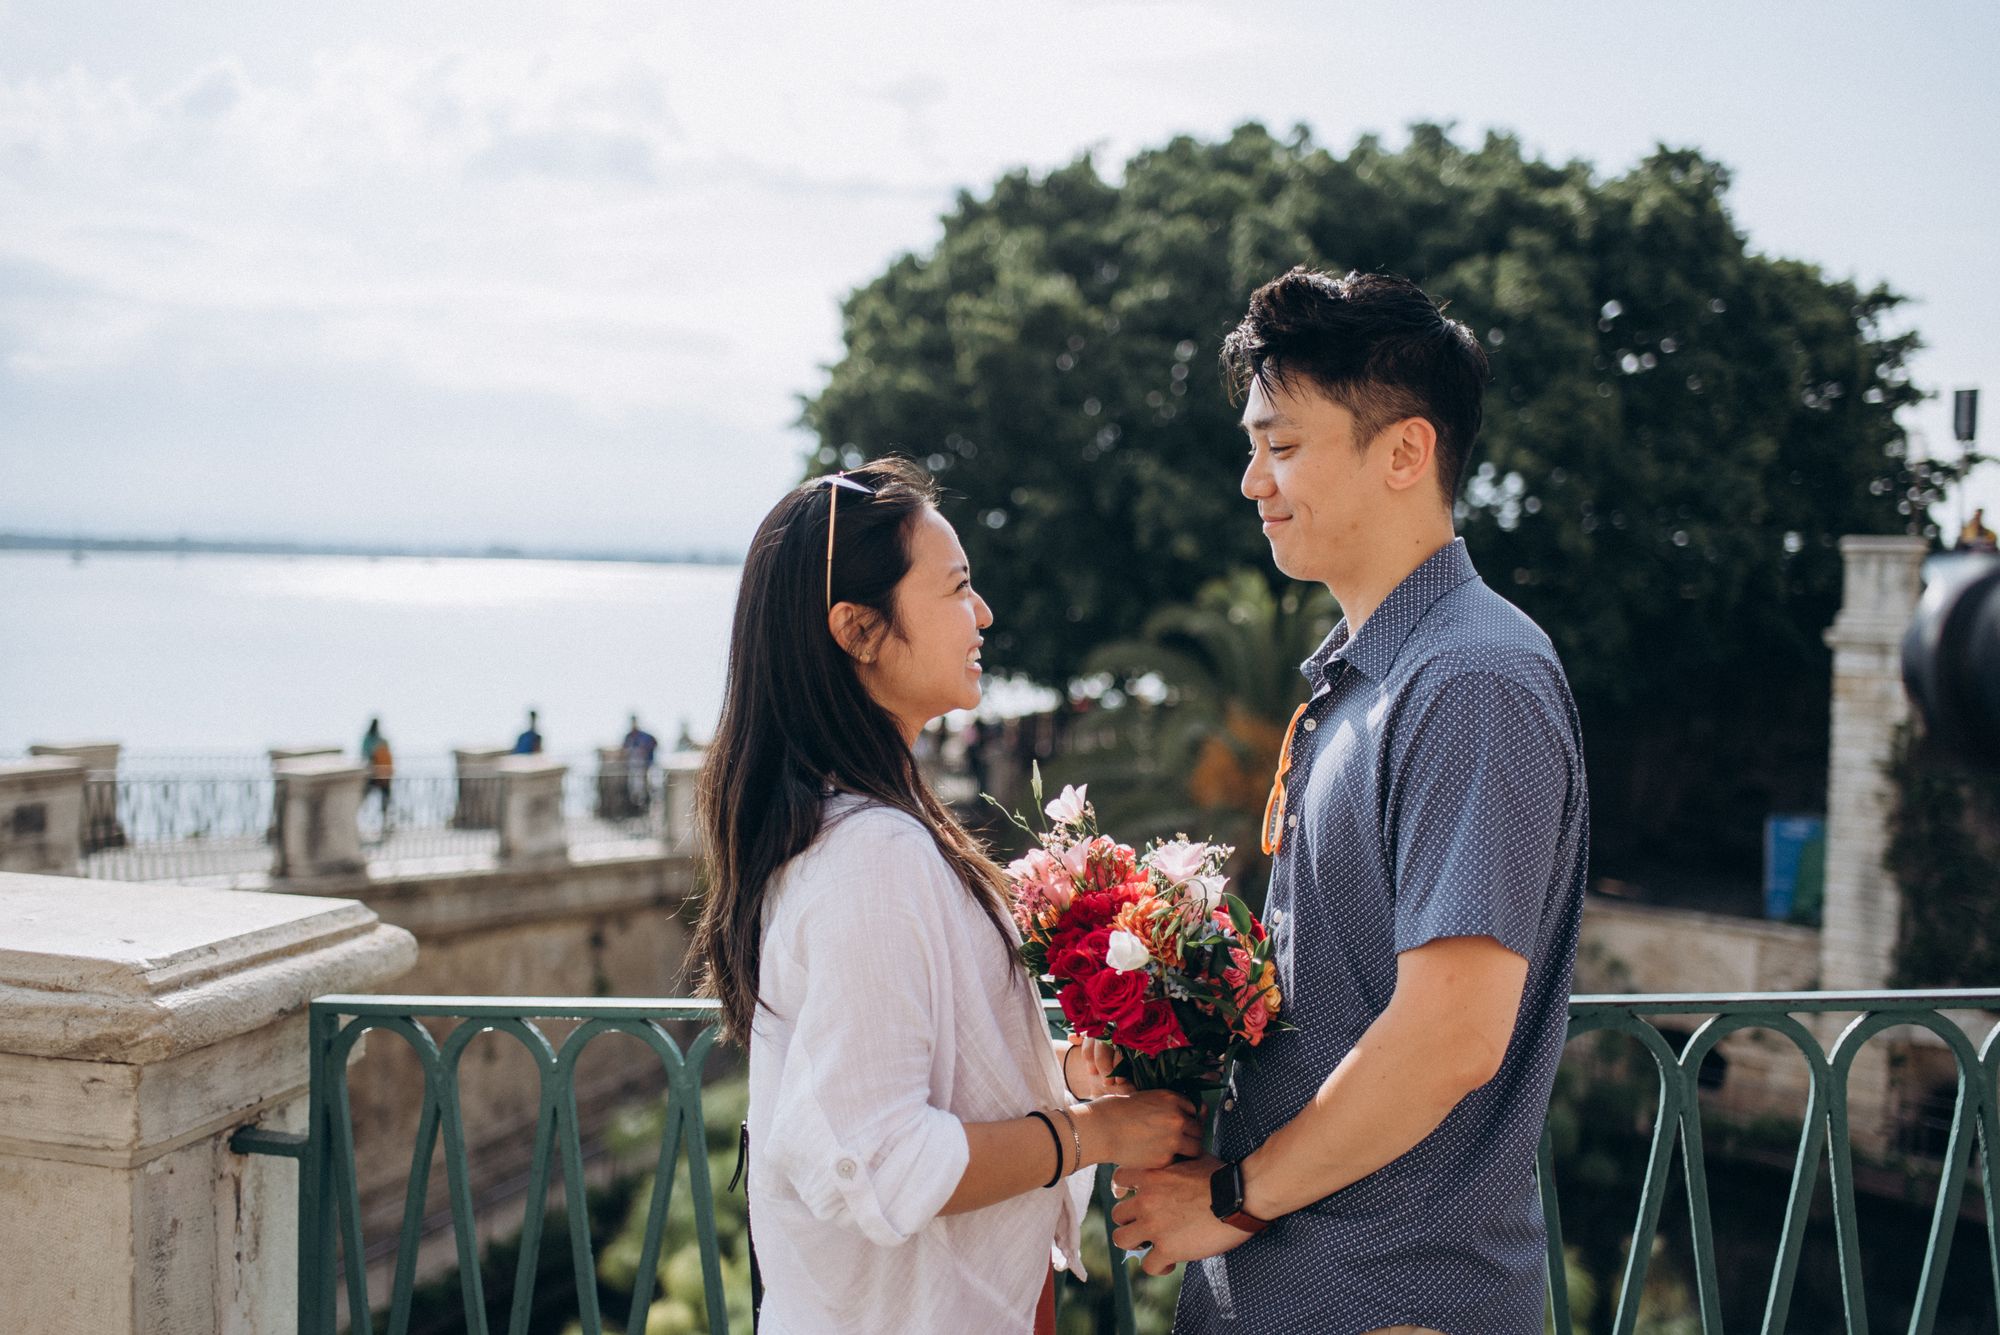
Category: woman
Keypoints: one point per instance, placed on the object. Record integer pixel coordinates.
(913, 1154)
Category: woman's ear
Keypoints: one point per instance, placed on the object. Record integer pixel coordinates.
(853, 629)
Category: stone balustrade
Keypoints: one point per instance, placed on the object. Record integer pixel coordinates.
(319, 802)
(41, 816)
(140, 1026)
(532, 833)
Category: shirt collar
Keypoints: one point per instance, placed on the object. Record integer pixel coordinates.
(1374, 650)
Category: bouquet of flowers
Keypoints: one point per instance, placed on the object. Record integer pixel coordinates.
(1147, 951)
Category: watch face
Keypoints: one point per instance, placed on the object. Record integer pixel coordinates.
(1225, 1190)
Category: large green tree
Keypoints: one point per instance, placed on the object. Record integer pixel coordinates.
(1678, 429)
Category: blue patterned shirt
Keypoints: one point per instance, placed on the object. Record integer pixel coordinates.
(1436, 790)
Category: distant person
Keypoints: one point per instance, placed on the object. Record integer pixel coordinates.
(381, 766)
(639, 746)
(686, 741)
(529, 743)
(1976, 537)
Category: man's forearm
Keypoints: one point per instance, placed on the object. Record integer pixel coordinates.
(1393, 1089)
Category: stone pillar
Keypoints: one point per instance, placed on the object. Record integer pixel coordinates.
(614, 785)
(319, 805)
(1863, 906)
(477, 805)
(140, 1026)
(681, 778)
(1863, 914)
(41, 816)
(531, 812)
(101, 829)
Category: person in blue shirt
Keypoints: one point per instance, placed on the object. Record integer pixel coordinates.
(529, 743)
(1428, 828)
(639, 746)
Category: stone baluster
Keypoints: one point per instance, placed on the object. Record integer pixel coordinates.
(41, 816)
(477, 801)
(319, 807)
(532, 833)
(140, 1026)
(681, 777)
(101, 826)
(1863, 913)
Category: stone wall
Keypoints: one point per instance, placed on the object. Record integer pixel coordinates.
(1636, 948)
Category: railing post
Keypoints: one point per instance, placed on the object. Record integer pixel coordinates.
(101, 829)
(478, 798)
(532, 833)
(319, 807)
(1864, 906)
(142, 1025)
(680, 777)
(41, 816)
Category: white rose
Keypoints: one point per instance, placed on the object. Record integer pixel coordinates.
(1126, 952)
(1066, 808)
(1207, 891)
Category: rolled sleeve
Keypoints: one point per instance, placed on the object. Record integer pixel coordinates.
(855, 1133)
(1485, 782)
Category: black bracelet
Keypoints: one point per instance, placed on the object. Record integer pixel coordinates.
(1037, 1112)
(1068, 1088)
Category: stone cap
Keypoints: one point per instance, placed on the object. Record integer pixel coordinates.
(131, 972)
(529, 766)
(333, 766)
(288, 754)
(42, 767)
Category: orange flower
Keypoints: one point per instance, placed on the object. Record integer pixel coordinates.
(1152, 922)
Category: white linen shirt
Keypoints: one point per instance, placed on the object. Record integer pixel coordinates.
(894, 1017)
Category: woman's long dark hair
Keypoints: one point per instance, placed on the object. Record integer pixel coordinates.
(795, 718)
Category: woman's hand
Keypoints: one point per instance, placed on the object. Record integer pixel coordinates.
(1087, 1065)
(1145, 1130)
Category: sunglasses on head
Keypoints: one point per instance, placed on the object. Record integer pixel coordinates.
(831, 482)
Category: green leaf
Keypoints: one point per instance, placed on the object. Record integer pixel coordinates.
(1239, 915)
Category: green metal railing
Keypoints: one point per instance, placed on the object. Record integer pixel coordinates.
(331, 1252)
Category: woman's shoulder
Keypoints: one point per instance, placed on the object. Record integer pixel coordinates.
(862, 845)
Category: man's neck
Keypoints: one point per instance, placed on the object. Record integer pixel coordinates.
(1361, 590)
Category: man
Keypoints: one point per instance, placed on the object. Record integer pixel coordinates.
(639, 746)
(529, 743)
(1975, 536)
(1429, 836)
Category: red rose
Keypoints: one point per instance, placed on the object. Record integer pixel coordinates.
(1117, 997)
(1092, 909)
(1079, 955)
(1154, 1031)
(1077, 1009)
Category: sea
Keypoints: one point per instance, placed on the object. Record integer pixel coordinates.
(192, 659)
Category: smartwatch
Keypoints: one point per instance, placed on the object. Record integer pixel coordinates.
(1225, 1199)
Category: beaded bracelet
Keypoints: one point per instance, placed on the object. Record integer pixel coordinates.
(1037, 1112)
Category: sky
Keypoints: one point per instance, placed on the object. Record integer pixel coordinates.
(556, 276)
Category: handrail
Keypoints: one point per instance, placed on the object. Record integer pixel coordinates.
(330, 1243)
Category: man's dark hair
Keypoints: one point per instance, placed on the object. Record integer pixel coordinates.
(1373, 343)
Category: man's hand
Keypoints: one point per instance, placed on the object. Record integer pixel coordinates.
(1169, 1209)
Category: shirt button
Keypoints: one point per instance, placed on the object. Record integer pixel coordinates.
(1229, 1105)
(845, 1168)
(1292, 821)
(1310, 724)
